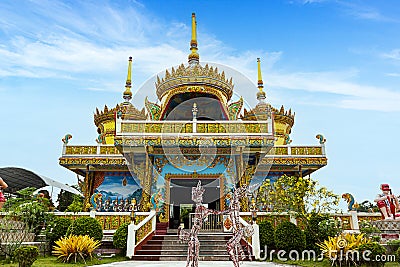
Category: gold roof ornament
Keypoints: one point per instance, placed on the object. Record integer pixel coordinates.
(194, 77)
(263, 109)
(127, 93)
(194, 56)
(261, 96)
(125, 110)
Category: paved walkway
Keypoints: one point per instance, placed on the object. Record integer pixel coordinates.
(183, 264)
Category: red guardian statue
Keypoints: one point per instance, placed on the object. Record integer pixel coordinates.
(387, 203)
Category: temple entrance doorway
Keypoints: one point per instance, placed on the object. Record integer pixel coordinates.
(182, 206)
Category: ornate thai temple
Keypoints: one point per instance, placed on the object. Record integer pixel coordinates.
(150, 158)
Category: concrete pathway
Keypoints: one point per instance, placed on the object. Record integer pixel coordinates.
(183, 264)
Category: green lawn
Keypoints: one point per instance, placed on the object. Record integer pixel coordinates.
(52, 261)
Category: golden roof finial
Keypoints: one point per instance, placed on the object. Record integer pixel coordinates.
(127, 93)
(194, 56)
(260, 84)
(260, 81)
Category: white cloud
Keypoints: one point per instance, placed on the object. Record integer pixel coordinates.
(365, 12)
(98, 44)
(312, 1)
(353, 95)
(394, 54)
(393, 74)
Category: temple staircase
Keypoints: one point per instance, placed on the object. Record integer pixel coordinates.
(167, 247)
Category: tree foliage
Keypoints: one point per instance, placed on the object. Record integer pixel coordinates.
(76, 205)
(65, 198)
(296, 194)
(31, 209)
(367, 206)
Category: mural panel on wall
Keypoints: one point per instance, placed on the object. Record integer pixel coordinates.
(120, 191)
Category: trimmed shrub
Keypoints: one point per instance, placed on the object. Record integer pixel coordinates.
(313, 233)
(26, 255)
(86, 226)
(398, 255)
(375, 249)
(58, 228)
(393, 246)
(267, 234)
(320, 228)
(120, 237)
(75, 248)
(289, 237)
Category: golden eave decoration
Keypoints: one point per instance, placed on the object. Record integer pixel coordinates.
(260, 113)
(126, 110)
(283, 116)
(196, 75)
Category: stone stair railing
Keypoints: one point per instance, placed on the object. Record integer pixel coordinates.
(140, 232)
(255, 238)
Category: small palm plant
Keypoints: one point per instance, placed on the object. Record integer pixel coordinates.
(342, 249)
(75, 248)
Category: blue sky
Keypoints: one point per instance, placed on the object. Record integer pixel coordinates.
(335, 63)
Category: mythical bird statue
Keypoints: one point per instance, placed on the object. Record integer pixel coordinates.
(351, 204)
(94, 200)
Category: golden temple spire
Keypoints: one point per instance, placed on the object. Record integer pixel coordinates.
(261, 94)
(194, 56)
(127, 93)
(260, 81)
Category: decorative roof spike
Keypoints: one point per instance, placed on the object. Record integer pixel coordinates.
(127, 93)
(194, 57)
(260, 81)
(261, 94)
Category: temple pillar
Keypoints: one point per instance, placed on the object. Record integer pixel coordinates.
(88, 188)
(245, 180)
